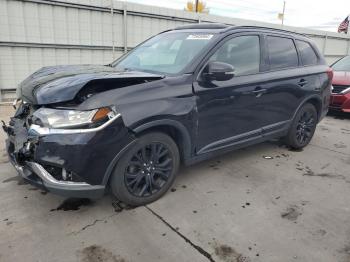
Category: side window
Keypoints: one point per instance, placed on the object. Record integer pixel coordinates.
(307, 53)
(242, 52)
(282, 52)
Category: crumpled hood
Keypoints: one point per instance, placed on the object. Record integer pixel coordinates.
(56, 84)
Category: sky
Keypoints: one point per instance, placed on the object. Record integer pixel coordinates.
(316, 14)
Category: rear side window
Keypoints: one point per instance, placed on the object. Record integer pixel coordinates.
(307, 53)
(282, 52)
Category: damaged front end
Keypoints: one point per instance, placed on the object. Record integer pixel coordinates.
(71, 161)
(67, 132)
(19, 144)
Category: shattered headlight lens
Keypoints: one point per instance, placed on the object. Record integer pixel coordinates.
(64, 118)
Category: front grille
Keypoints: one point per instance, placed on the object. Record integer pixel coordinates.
(338, 89)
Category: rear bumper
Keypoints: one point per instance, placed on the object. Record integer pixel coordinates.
(36, 175)
(340, 102)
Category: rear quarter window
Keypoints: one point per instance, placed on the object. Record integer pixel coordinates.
(282, 52)
(307, 53)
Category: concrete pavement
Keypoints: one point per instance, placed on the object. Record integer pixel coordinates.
(263, 203)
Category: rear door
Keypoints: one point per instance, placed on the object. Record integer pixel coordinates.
(287, 79)
(311, 73)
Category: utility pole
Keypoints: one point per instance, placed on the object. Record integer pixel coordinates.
(284, 8)
(196, 6)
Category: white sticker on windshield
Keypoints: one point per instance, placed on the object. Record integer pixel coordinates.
(199, 37)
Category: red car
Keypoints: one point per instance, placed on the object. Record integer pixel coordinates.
(340, 98)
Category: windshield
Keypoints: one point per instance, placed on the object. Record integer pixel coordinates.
(165, 53)
(342, 65)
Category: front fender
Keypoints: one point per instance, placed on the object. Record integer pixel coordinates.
(185, 135)
(181, 129)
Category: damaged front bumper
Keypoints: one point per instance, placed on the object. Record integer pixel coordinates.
(70, 163)
(37, 175)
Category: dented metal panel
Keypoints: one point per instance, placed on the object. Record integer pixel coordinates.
(62, 83)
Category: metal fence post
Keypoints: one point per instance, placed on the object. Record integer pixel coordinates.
(112, 26)
(325, 45)
(125, 27)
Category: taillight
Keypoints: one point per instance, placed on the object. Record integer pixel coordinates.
(330, 73)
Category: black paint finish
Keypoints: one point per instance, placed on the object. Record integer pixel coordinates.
(87, 155)
(204, 117)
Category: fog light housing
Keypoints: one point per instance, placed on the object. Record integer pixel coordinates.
(62, 174)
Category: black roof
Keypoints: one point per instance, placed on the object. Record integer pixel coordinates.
(203, 26)
(225, 28)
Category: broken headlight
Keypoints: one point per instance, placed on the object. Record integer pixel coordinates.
(66, 118)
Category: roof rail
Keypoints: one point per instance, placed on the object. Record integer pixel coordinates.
(202, 26)
(263, 27)
(227, 27)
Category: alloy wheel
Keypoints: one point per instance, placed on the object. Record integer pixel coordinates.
(148, 169)
(305, 127)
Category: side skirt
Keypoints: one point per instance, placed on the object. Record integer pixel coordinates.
(266, 134)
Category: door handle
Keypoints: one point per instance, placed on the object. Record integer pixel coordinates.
(258, 92)
(302, 82)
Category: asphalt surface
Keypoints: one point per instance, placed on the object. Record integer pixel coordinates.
(263, 203)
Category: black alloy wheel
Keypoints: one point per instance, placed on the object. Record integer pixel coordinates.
(146, 170)
(303, 127)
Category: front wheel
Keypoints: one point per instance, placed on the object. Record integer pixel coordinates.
(146, 171)
(303, 127)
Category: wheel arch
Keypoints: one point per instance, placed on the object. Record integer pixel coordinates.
(174, 129)
(177, 131)
(315, 101)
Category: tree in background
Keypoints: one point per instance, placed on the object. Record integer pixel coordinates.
(197, 6)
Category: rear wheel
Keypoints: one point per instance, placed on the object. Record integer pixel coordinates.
(146, 171)
(303, 127)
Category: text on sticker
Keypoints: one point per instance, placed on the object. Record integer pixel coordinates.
(199, 37)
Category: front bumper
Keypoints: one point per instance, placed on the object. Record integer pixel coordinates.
(340, 102)
(37, 175)
(85, 156)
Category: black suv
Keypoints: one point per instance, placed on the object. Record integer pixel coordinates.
(184, 95)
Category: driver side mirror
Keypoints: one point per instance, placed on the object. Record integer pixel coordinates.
(218, 71)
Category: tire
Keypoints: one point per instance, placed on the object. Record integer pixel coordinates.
(303, 127)
(146, 171)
